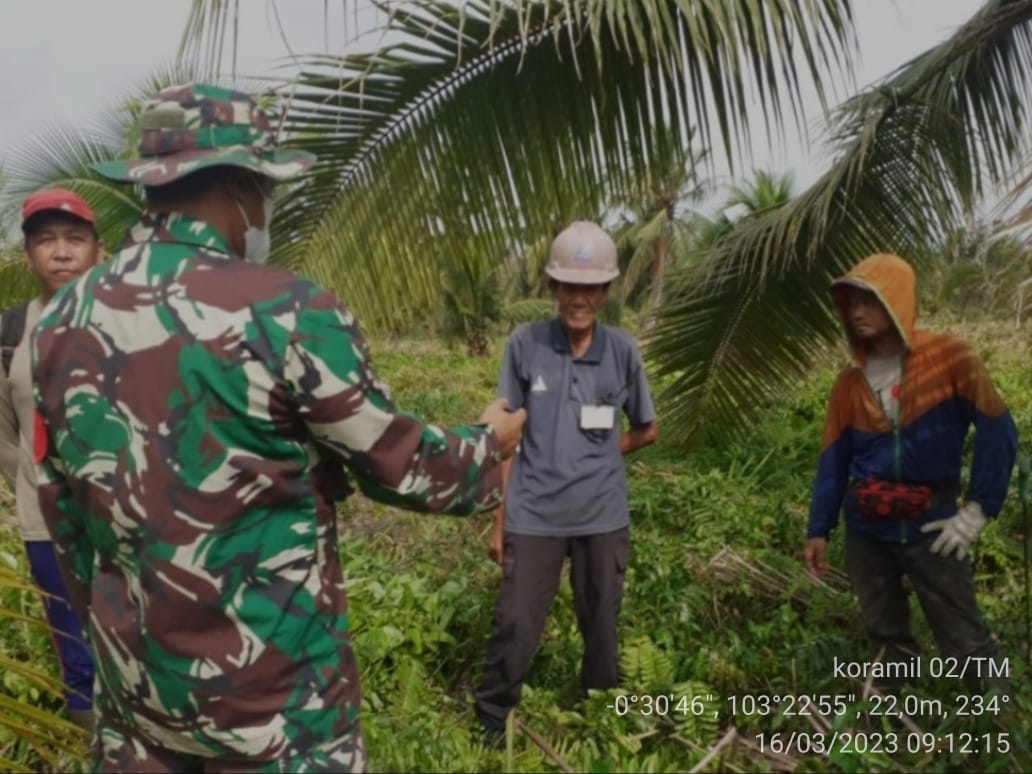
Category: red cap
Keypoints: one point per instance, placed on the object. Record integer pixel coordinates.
(57, 199)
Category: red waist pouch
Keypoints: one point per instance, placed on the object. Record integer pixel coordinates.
(891, 499)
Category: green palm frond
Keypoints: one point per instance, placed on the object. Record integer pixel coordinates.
(488, 124)
(914, 153)
(208, 25)
(766, 191)
(17, 283)
(210, 35)
(640, 242)
(61, 156)
(656, 224)
(53, 740)
(1016, 204)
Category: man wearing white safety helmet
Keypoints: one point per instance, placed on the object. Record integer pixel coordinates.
(566, 489)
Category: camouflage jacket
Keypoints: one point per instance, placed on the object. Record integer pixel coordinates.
(194, 412)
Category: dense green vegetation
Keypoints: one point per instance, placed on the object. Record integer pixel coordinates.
(450, 208)
(717, 606)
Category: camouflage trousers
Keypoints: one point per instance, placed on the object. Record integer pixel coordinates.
(119, 751)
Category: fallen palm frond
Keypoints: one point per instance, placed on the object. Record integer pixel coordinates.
(733, 739)
(729, 737)
(546, 748)
(730, 565)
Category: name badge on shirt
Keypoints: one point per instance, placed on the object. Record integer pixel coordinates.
(597, 417)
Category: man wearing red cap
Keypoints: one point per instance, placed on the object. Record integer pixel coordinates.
(60, 244)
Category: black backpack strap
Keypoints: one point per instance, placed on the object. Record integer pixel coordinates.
(12, 327)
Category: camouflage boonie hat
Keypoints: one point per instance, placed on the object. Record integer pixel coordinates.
(187, 128)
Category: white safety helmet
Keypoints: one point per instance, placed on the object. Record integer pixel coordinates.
(582, 254)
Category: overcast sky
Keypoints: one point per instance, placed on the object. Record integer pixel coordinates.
(65, 60)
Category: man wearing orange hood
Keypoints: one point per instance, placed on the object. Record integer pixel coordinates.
(891, 462)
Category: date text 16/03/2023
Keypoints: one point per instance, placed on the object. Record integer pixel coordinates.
(884, 742)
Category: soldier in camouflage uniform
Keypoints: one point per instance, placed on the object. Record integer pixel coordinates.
(195, 414)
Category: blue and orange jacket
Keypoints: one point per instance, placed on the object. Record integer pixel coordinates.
(944, 389)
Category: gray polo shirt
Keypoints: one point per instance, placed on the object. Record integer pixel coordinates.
(567, 481)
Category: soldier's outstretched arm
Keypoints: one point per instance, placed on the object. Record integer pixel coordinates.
(397, 458)
(507, 425)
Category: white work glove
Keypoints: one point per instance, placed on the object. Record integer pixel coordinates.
(958, 531)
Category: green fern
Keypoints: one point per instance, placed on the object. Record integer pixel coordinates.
(696, 711)
(646, 666)
(411, 677)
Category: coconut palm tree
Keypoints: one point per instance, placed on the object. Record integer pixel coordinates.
(749, 200)
(517, 117)
(979, 270)
(764, 193)
(659, 227)
(523, 115)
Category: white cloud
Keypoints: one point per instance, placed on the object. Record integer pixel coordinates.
(62, 59)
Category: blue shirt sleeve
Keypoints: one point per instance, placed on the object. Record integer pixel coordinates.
(638, 406)
(995, 446)
(829, 488)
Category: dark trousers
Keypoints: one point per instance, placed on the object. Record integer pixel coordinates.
(73, 654)
(944, 586)
(530, 579)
